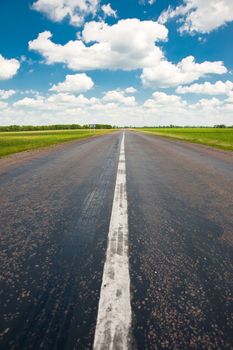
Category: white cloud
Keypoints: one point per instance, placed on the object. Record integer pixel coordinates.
(130, 90)
(218, 88)
(102, 46)
(205, 103)
(230, 97)
(8, 67)
(166, 74)
(108, 11)
(5, 94)
(74, 83)
(119, 97)
(200, 16)
(160, 109)
(59, 101)
(30, 102)
(65, 99)
(29, 92)
(75, 10)
(161, 99)
(150, 2)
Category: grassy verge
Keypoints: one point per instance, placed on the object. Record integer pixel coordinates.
(13, 142)
(216, 137)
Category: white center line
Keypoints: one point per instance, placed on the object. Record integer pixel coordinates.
(114, 312)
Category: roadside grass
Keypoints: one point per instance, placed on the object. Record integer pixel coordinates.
(14, 142)
(215, 137)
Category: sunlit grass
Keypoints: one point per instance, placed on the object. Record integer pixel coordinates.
(13, 142)
(216, 137)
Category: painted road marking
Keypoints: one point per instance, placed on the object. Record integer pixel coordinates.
(114, 311)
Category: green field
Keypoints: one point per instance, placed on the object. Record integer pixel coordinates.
(216, 137)
(13, 142)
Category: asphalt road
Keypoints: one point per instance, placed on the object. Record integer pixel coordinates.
(55, 213)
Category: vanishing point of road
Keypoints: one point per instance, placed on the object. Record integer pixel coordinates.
(122, 241)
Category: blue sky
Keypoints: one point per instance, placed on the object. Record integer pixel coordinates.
(119, 62)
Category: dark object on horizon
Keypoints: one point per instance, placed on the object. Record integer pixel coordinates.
(12, 128)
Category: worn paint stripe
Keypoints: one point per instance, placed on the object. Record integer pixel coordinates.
(114, 311)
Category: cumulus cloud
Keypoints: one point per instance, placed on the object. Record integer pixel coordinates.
(63, 100)
(30, 102)
(66, 99)
(166, 74)
(119, 97)
(5, 94)
(205, 103)
(74, 83)
(75, 10)
(8, 67)
(59, 101)
(159, 109)
(230, 97)
(130, 90)
(200, 16)
(218, 88)
(160, 99)
(101, 46)
(108, 11)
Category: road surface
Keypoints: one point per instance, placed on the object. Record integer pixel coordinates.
(164, 206)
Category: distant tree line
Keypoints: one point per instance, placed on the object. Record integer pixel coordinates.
(91, 126)
(186, 126)
(55, 127)
(220, 126)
